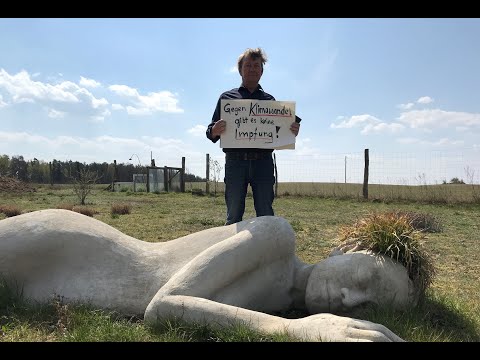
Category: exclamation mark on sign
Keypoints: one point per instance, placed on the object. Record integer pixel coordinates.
(278, 129)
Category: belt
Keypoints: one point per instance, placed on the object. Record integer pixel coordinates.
(249, 155)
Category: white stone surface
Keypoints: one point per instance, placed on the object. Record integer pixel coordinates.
(241, 272)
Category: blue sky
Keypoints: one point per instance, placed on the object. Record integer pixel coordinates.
(103, 89)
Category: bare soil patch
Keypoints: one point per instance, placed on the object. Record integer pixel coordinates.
(12, 185)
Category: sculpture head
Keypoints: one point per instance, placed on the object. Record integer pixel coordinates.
(342, 282)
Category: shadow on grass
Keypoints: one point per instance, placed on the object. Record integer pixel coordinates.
(21, 319)
(435, 319)
(177, 330)
(432, 320)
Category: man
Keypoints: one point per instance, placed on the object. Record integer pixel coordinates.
(250, 165)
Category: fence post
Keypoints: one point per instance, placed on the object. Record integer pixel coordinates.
(115, 174)
(148, 178)
(365, 175)
(51, 173)
(166, 178)
(182, 176)
(207, 185)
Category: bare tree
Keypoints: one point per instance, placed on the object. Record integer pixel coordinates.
(215, 169)
(84, 184)
(475, 188)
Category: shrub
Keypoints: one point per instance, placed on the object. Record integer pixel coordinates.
(10, 210)
(120, 209)
(84, 210)
(198, 192)
(65, 206)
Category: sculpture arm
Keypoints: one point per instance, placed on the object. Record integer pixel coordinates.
(319, 327)
(253, 267)
(248, 254)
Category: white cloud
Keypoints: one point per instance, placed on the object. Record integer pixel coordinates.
(302, 147)
(19, 137)
(54, 114)
(440, 142)
(356, 121)
(89, 82)
(162, 142)
(446, 141)
(382, 128)
(437, 118)
(100, 118)
(124, 90)
(408, 140)
(162, 101)
(69, 98)
(88, 149)
(421, 100)
(137, 111)
(96, 103)
(425, 100)
(198, 130)
(117, 107)
(20, 86)
(427, 121)
(405, 106)
(66, 96)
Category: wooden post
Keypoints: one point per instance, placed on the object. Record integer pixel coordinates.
(165, 178)
(365, 175)
(182, 175)
(51, 173)
(207, 185)
(115, 175)
(148, 180)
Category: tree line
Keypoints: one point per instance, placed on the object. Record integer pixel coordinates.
(64, 172)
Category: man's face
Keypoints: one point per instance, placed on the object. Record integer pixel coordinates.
(251, 71)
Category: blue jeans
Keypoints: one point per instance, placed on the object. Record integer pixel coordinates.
(238, 174)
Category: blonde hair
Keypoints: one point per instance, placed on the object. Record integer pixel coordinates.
(254, 54)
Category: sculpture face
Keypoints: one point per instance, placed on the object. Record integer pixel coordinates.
(343, 282)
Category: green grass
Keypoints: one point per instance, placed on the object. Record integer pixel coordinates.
(450, 311)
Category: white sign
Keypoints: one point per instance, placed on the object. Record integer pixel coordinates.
(261, 124)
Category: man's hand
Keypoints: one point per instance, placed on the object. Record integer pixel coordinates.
(295, 128)
(218, 128)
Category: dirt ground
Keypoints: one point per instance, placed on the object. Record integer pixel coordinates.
(12, 185)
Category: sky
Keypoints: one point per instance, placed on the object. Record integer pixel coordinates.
(98, 90)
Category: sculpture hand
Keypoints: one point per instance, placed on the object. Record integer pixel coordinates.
(328, 327)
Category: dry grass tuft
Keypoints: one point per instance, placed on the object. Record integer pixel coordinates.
(84, 210)
(121, 209)
(420, 221)
(398, 235)
(66, 206)
(10, 210)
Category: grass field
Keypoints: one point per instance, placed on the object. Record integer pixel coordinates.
(451, 311)
(435, 194)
